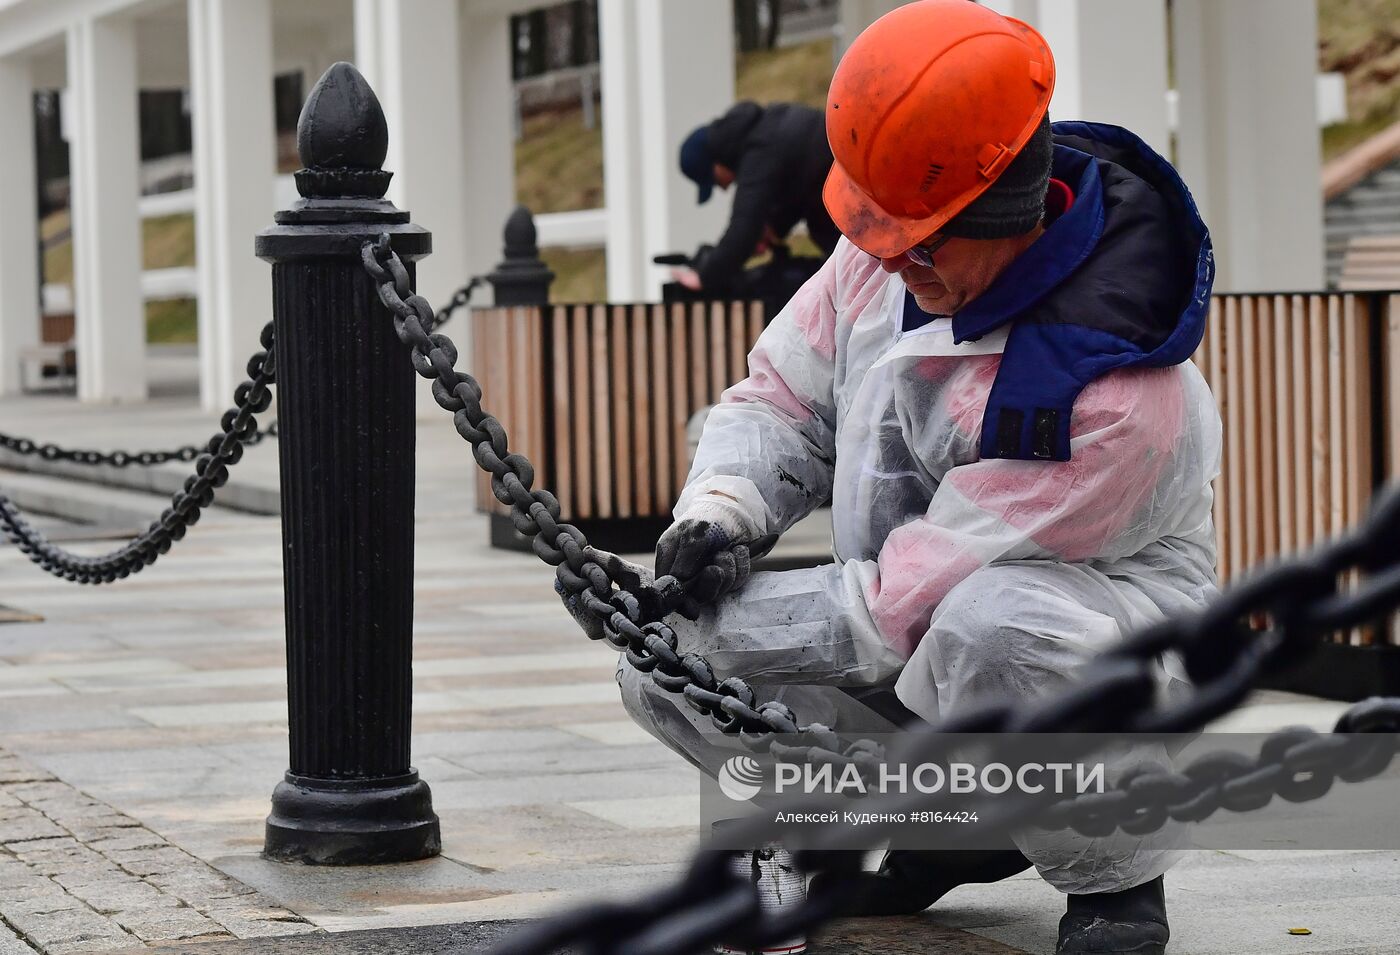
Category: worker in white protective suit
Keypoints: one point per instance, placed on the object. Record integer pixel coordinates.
(989, 383)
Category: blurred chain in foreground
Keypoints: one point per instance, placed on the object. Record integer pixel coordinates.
(1223, 655)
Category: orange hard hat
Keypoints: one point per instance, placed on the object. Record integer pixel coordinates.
(927, 108)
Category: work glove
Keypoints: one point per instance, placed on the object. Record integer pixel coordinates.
(629, 576)
(707, 550)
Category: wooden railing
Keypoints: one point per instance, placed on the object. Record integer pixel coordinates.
(598, 396)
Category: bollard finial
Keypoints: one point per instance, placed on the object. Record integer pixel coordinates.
(521, 237)
(342, 139)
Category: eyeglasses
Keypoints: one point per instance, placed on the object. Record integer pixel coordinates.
(922, 254)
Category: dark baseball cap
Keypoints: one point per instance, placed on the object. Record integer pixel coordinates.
(697, 163)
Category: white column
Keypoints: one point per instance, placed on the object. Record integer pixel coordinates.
(19, 236)
(235, 165)
(673, 36)
(485, 169)
(1110, 63)
(1247, 142)
(652, 98)
(1027, 10)
(622, 143)
(111, 325)
(415, 54)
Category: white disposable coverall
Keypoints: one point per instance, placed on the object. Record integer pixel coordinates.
(956, 577)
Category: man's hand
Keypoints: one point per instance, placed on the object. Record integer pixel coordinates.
(706, 550)
(628, 576)
(687, 277)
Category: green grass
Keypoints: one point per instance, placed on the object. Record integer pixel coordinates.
(172, 322)
(559, 163)
(580, 275)
(1360, 39)
(167, 242)
(794, 74)
(1340, 137)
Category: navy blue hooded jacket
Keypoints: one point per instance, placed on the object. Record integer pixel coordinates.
(1122, 278)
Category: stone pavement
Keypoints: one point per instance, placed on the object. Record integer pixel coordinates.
(143, 727)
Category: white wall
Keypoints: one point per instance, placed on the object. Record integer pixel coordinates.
(19, 236)
(653, 96)
(1248, 145)
(111, 321)
(235, 165)
(1111, 63)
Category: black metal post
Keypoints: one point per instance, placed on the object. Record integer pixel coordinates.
(522, 278)
(346, 412)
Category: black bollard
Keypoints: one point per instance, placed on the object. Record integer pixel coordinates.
(522, 278)
(346, 412)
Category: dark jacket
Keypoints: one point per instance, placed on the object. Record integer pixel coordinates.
(1123, 278)
(780, 159)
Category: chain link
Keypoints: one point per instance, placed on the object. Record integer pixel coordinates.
(117, 459)
(1225, 657)
(460, 299)
(632, 619)
(225, 449)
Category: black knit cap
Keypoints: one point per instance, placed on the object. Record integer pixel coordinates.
(1016, 201)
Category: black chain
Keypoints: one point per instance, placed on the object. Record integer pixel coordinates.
(224, 450)
(117, 459)
(1223, 655)
(632, 619)
(1296, 764)
(460, 299)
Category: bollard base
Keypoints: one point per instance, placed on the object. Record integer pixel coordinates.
(352, 822)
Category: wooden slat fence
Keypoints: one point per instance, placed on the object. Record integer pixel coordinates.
(1303, 404)
(608, 434)
(1310, 408)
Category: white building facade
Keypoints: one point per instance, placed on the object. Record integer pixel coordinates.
(1247, 139)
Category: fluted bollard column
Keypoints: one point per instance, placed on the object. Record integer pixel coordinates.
(346, 410)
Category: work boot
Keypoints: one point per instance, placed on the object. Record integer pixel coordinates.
(1131, 922)
(910, 880)
(780, 886)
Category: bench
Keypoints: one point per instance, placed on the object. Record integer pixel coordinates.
(54, 360)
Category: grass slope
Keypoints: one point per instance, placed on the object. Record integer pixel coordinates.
(1361, 39)
(559, 163)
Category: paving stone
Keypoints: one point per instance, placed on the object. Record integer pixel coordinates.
(69, 926)
(172, 923)
(22, 824)
(101, 827)
(13, 872)
(198, 883)
(124, 894)
(91, 875)
(12, 944)
(13, 772)
(149, 862)
(245, 920)
(54, 856)
(130, 839)
(37, 894)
